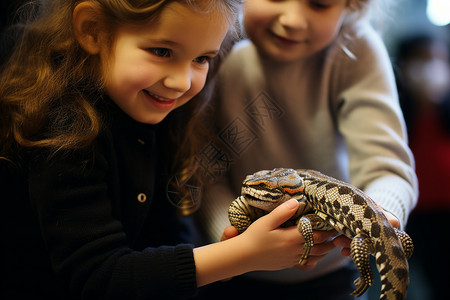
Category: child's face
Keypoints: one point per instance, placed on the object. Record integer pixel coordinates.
(286, 30)
(156, 68)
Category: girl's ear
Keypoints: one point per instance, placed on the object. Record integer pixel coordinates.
(87, 27)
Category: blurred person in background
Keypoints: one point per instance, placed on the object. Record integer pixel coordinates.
(424, 80)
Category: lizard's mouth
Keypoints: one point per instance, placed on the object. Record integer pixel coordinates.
(261, 195)
(259, 198)
(251, 199)
(264, 202)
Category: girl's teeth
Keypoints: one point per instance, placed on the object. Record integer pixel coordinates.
(158, 98)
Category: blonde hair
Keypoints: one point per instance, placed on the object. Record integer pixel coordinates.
(49, 86)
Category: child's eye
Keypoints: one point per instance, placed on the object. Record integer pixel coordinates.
(319, 5)
(162, 52)
(202, 59)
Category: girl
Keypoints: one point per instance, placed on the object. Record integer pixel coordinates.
(312, 87)
(90, 144)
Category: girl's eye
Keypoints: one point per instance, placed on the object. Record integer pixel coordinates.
(202, 59)
(162, 52)
(318, 5)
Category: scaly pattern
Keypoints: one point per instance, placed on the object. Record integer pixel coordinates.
(325, 204)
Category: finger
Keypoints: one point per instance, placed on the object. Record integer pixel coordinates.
(391, 218)
(323, 236)
(307, 267)
(342, 241)
(292, 234)
(280, 214)
(311, 263)
(322, 248)
(319, 236)
(229, 232)
(345, 251)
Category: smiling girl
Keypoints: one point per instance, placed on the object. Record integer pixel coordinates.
(101, 105)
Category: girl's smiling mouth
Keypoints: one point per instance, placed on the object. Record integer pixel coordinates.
(286, 41)
(158, 101)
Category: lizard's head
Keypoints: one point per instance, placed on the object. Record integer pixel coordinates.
(269, 188)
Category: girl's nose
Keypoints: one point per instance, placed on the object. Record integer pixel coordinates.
(178, 80)
(293, 16)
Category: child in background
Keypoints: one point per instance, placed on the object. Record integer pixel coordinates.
(91, 134)
(312, 87)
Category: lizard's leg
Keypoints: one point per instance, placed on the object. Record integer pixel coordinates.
(305, 226)
(406, 241)
(239, 214)
(360, 249)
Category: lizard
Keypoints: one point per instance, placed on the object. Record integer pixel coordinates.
(327, 203)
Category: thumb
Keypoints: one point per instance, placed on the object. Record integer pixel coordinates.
(281, 214)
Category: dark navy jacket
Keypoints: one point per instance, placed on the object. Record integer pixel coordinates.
(101, 219)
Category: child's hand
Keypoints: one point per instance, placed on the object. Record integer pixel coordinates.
(267, 245)
(323, 244)
(284, 246)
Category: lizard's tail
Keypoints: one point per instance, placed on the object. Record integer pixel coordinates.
(393, 268)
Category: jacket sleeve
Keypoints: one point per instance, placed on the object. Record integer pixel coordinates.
(87, 244)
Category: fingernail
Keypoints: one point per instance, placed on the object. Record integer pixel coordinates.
(292, 203)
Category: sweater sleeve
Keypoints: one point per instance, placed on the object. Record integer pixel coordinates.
(86, 240)
(370, 119)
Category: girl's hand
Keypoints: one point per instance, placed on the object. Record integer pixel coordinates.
(263, 246)
(270, 247)
(323, 244)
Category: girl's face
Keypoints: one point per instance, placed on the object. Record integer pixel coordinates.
(286, 30)
(156, 68)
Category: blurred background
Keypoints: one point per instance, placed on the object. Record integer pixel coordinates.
(418, 40)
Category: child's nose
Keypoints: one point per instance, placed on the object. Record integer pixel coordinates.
(179, 80)
(294, 16)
